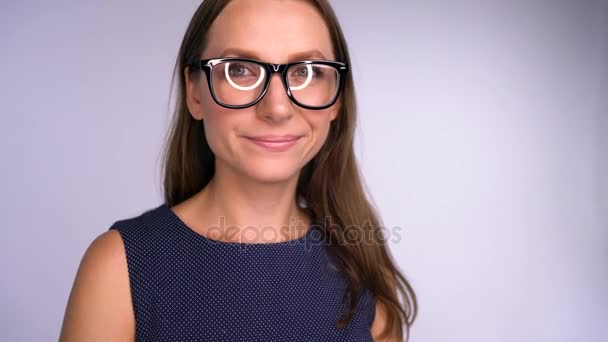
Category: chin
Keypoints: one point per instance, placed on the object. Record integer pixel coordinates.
(273, 172)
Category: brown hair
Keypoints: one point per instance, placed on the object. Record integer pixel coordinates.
(330, 184)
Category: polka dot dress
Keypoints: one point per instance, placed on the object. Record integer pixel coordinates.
(187, 287)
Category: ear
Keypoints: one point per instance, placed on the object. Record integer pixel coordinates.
(193, 93)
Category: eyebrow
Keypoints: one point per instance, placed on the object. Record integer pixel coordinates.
(310, 54)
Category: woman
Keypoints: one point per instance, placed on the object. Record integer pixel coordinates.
(261, 145)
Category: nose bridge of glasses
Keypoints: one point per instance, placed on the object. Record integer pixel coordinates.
(275, 70)
(275, 67)
(279, 78)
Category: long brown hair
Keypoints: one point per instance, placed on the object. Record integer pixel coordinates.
(330, 184)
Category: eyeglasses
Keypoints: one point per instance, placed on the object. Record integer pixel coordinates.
(242, 82)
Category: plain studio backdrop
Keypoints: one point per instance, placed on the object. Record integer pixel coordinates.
(483, 139)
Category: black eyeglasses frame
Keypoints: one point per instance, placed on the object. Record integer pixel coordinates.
(207, 66)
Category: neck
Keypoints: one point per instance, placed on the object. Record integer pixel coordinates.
(242, 209)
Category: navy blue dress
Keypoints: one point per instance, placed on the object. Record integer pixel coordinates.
(187, 287)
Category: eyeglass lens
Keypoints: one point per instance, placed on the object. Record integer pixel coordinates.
(240, 83)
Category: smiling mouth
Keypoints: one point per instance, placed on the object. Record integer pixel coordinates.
(275, 138)
(278, 144)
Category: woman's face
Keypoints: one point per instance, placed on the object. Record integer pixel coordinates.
(276, 32)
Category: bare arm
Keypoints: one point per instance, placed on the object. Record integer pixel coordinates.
(378, 326)
(381, 316)
(99, 306)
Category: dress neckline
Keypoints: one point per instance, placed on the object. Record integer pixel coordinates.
(304, 239)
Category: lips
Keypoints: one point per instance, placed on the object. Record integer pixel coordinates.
(275, 143)
(275, 138)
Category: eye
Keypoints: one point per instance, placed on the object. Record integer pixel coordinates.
(303, 70)
(238, 69)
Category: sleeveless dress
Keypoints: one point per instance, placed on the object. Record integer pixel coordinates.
(188, 287)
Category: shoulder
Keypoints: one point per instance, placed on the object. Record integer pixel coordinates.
(99, 306)
(145, 224)
(144, 218)
(106, 255)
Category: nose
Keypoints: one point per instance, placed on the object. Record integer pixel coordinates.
(275, 105)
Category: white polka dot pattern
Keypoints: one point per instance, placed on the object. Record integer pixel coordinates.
(186, 287)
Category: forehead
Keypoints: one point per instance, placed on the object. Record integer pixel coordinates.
(271, 30)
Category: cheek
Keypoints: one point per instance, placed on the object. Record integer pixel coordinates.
(207, 103)
(218, 128)
(214, 134)
(320, 124)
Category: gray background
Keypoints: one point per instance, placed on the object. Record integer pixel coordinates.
(483, 139)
